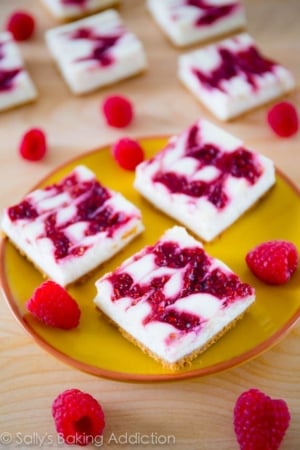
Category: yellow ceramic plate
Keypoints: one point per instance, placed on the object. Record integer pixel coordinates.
(97, 347)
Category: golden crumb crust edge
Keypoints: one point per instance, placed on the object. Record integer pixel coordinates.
(187, 359)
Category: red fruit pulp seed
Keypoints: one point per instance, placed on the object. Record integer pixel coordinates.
(283, 119)
(128, 153)
(21, 24)
(118, 111)
(33, 145)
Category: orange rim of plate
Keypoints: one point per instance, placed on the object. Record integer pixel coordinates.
(132, 377)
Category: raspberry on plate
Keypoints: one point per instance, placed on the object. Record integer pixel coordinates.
(53, 306)
(283, 119)
(33, 145)
(273, 262)
(128, 153)
(78, 417)
(118, 111)
(260, 422)
(21, 24)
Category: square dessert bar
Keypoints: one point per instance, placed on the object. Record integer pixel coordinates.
(232, 76)
(172, 299)
(71, 9)
(95, 51)
(16, 87)
(188, 22)
(69, 228)
(204, 178)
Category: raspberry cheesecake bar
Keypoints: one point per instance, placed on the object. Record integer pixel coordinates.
(232, 76)
(188, 22)
(172, 299)
(204, 178)
(16, 86)
(71, 9)
(69, 228)
(96, 51)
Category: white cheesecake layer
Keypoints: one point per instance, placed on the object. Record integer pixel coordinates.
(187, 24)
(16, 86)
(234, 95)
(68, 9)
(200, 214)
(75, 55)
(164, 340)
(87, 247)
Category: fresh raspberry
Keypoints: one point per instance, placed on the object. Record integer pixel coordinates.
(273, 262)
(78, 417)
(260, 422)
(283, 119)
(33, 145)
(21, 24)
(53, 306)
(118, 111)
(128, 153)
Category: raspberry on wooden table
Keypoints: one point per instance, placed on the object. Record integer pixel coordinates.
(33, 145)
(21, 24)
(260, 422)
(78, 417)
(53, 306)
(283, 119)
(118, 111)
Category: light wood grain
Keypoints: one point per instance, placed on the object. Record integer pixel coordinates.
(198, 412)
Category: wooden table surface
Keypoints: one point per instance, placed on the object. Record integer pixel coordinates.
(197, 413)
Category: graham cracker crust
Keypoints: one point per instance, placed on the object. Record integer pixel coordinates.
(65, 20)
(187, 359)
